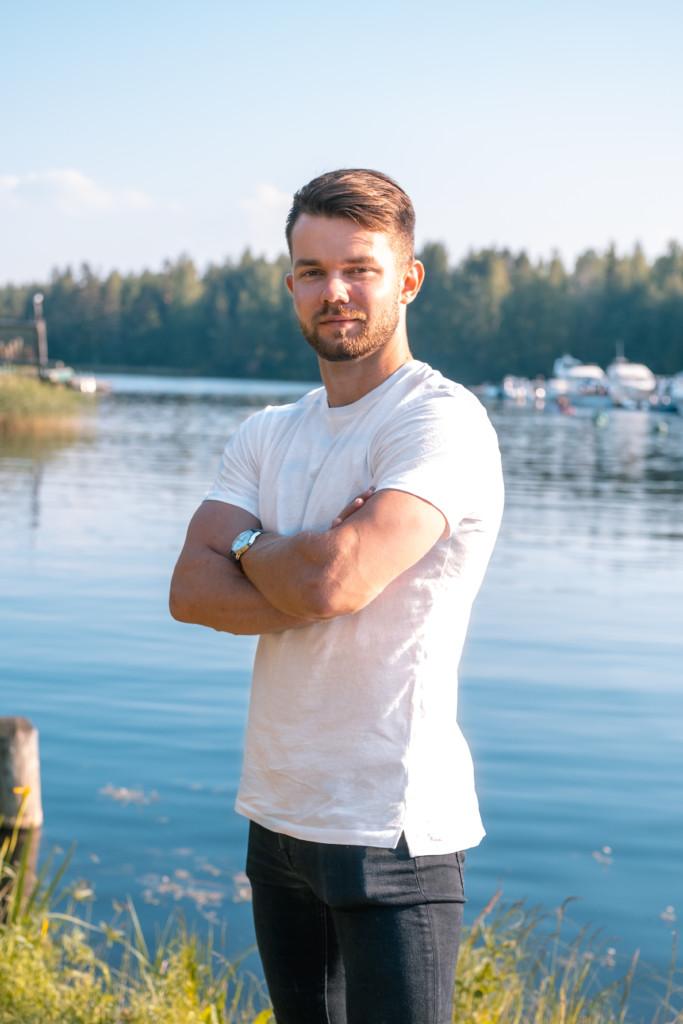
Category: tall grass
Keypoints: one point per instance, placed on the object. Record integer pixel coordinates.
(32, 406)
(58, 967)
(517, 966)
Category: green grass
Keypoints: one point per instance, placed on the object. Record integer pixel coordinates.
(29, 405)
(58, 967)
(518, 966)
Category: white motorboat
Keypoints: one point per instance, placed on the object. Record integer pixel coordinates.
(631, 385)
(584, 384)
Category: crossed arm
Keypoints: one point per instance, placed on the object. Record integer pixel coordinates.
(288, 582)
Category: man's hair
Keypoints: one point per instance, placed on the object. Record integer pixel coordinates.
(371, 199)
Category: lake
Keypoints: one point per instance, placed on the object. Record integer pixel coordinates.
(571, 680)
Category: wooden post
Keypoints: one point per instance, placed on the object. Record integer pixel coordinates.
(19, 773)
(40, 329)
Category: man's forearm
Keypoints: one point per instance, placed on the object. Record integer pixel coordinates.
(217, 594)
(304, 574)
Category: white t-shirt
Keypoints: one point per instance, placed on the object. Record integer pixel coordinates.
(352, 734)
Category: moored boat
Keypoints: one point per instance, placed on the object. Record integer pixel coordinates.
(631, 385)
(583, 384)
(675, 391)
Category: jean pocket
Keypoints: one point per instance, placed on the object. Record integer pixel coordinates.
(441, 877)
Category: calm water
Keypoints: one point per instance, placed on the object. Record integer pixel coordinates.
(571, 681)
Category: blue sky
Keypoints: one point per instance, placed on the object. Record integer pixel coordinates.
(136, 131)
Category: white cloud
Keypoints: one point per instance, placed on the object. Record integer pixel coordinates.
(68, 191)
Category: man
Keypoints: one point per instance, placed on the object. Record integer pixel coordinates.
(351, 530)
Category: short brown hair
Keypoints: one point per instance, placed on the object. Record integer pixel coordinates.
(370, 198)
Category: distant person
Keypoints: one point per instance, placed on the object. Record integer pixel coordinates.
(351, 530)
(565, 406)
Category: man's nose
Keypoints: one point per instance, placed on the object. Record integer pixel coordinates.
(335, 290)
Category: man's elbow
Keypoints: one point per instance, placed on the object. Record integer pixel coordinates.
(177, 606)
(182, 603)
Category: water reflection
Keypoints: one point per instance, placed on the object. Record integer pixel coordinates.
(576, 488)
(628, 448)
(23, 460)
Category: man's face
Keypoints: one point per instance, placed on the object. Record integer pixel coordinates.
(346, 286)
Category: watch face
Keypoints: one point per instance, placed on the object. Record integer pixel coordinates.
(243, 542)
(241, 539)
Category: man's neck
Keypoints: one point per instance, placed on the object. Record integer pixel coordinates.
(347, 382)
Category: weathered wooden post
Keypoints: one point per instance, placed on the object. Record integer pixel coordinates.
(19, 774)
(21, 809)
(40, 329)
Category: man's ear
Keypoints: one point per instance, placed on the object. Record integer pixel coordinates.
(289, 281)
(412, 281)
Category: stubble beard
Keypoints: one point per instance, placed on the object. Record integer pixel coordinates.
(341, 348)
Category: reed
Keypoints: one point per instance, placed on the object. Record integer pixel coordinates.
(32, 406)
(517, 966)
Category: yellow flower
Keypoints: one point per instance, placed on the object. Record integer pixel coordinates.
(23, 790)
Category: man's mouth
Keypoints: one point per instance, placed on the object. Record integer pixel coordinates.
(343, 317)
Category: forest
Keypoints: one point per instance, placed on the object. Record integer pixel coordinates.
(493, 313)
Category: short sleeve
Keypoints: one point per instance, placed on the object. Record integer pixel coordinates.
(237, 480)
(444, 450)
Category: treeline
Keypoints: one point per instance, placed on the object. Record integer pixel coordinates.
(493, 313)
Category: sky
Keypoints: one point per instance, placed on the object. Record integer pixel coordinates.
(135, 132)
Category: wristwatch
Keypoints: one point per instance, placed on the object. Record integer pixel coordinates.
(243, 542)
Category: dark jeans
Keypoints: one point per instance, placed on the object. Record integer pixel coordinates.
(355, 934)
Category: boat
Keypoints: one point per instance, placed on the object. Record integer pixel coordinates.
(517, 389)
(582, 384)
(631, 385)
(66, 375)
(675, 391)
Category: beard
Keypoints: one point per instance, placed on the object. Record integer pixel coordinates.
(340, 348)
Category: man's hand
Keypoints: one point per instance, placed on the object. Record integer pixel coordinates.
(353, 506)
